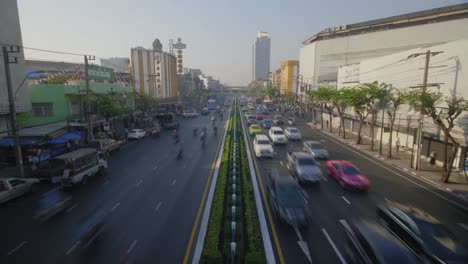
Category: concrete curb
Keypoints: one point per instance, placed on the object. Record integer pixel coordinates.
(441, 186)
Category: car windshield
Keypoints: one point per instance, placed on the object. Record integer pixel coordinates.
(293, 130)
(316, 146)
(251, 117)
(350, 170)
(289, 196)
(278, 132)
(263, 142)
(267, 121)
(135, 131)
(255, 127)
(306, 161)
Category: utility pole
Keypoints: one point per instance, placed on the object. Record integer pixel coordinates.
(88, 103)
(11, 101)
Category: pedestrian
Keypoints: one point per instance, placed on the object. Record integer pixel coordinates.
(397, 144)
(35, 161)
(327, 123)
(433, 157)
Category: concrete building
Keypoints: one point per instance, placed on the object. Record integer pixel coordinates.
(10, 33)
(154, 71)
(289, 77)
(261, 57)
(118, 64)
(331, 48)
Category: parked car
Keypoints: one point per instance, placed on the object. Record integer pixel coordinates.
(286, 200)
(347, 174)
(251, 120)
(136, 134)
(277, 135)
(315, 148)
(259, 116)
(262, 146)
(422, 233)
(303, 167)
(11, 188)
(292, 133)
(266, 123)
(370, 243)
(255, 129)
(106, 145)
(278, 120)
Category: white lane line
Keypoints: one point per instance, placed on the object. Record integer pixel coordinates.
(386, 199)
(346, 200)
(173, 182)
(158, 206)
(155, 167)
(400, 175)
(106, 182)
(131, 247)
(73, 248)
(138, 183)
(305, 194)
(17, 248)
(115, 206)
(333, 246)
(325, 179)
(463, 225)
(71, 208)
(282, 164)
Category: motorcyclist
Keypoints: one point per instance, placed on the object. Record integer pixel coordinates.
(215, 130)
(195, 131)
(179, 150)
(203, 137)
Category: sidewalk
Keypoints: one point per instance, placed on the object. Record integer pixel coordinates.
(458, 185)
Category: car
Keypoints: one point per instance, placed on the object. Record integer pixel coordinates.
(52, 203)
(266, 123)
(205, 111)
(245, 108)
(370, 243)
(11, 188)
(292, 133)
(265, 111)
(422, 233)
(303, 167)
(251, 120)
(136, 134)
(262, 146)
(255, 129)
(106, 145)
(315, 148)
(347, 175)
(259, 116)
(190, 113)
(277, 135)
(251, 107)
(286, 200)
(278, 120)
(248, 113)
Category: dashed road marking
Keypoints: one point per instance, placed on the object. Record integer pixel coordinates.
(71, 208)
(73, 248)
(338, 253)
(464, 226)
(173, 182)
(388, 200)
(132, 246)
(282, 164)
(115, 206)
(155, 167)
(346, 200)
(17, 248)
(325, 179)
(158, 206)
(140, 182)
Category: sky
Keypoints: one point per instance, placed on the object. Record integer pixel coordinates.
(219, 34)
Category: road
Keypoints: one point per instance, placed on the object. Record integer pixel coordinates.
(329, 203)
(151, 197)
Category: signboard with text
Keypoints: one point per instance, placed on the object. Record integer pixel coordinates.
(99, 73)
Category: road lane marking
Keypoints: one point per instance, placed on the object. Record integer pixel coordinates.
(386, 199)
(333, 246)
(325, 179)
(17, 248)
(115, 206)
(346, 200)
(282, 164)
(71, 208)
(131, 247)
(138, 183)
(73, 247)
(397, 173)
(158, 206)
(463, 225)
(303, 244)
(173, 182)
(155, 167)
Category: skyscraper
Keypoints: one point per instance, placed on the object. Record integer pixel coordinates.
(261, 57)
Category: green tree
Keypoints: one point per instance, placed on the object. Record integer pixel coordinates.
(373, 93)
(145, 102)
(340, 102)
(322, 98)
(394, 97)
(428, 103)
(271, 92)
(361, 101)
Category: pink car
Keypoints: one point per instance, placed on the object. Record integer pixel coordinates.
(347, 174)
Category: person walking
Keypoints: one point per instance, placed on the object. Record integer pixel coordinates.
(397, 144)
(433, 158)
(327, 123)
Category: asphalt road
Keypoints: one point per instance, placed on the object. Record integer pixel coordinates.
(329, 203)
(151, 197)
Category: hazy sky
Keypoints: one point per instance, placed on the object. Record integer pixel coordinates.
(219, 34)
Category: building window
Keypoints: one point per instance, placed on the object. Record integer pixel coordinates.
(42, 109)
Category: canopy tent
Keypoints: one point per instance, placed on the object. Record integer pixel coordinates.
(64, 138)
(8, 142)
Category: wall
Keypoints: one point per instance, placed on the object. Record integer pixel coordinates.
(320, 60)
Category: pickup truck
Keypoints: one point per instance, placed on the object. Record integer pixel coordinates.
(11, 188)
(106, 145)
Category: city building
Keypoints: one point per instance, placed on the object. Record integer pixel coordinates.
(331, 48)
(289, 77)
(276, 78)
(154, 71)
(118, 64)
(261, 57)
(10, 32)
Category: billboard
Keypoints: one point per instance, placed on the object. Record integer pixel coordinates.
(99, 73)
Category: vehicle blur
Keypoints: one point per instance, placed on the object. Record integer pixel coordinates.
(52, 203)
(304, 167)
(292, 133)
(347, 175)
(315, 148)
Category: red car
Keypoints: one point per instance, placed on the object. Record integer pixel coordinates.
(259, 116)
(347, 174)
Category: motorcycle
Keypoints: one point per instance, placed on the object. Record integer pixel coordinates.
(291, 121)
(179, 153)
(195, 131)
(215, 131)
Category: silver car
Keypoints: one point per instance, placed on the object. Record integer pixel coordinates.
(315, 148)
(304, 167)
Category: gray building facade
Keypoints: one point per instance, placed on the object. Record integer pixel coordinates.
(261, 57)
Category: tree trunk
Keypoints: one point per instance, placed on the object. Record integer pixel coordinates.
(342, 125)
(444, 165)
(330, 120)
(321, 117)
(359, 139)
(390, 138)
(446, 175)
(372, 131)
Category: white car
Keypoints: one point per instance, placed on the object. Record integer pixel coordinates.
(136, 134)
(277, 135)
(292, 133)
(190, 113)
(262, 146)
(13, 187)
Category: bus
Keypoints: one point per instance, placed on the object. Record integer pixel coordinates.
(168, 120)
(212, 104)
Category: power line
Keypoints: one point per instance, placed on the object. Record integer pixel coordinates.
(43, 50)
